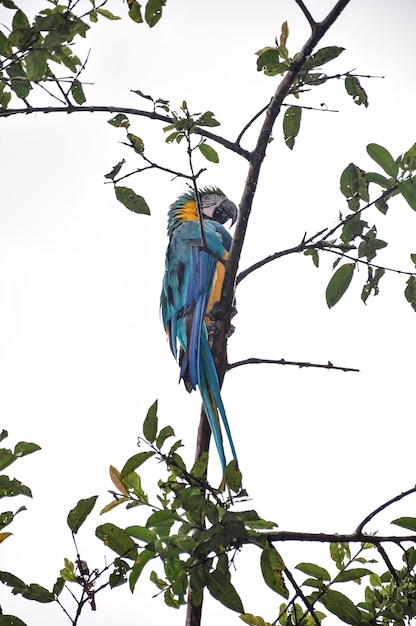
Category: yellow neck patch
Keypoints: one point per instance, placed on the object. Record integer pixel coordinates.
(188, 211)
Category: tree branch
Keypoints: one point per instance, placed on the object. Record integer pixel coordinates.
(272, 257)
(230, 145)
(300, 364)
(287, 535)
(256, 160)
(307, 244)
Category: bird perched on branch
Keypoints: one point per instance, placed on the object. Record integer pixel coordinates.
(192, 287)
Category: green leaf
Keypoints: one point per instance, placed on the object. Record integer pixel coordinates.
(291, 125)
(209, 153)
(142, 559)
(119, 120)
(18, 80)
(3, 435)
(141, 532)
(36, 64)
(383, 158)
(135, 13)
(253, 620)
(322, 56)
(136, 143)
(111, 175)
(6, 458)
(161, 518)
(150, 423)
(224, 591)
(372, 283)
(267, 58)
(272, 567)
(68, 572)
(207, 119)
(117, 539)
(341, 606)
(406, 522)
(313, 570)
(339, 284)
(131, 200)
(6, 518)
(349, 181)
(107, 14)
(159, 582)
(38, 593)
(352, 574)
(353, 226)
(410, 291)
(118, 576)
(379, 179)
(12, 581)
(368, 247)
(135, 461)
(408, 190)
(233, 476)
(78, 92)
(58, 586)
(11, 620)
(354, 89)
(10, 488)
(170, 599)
(166, 432)
(80, 512)
(314, 254)
(132, 481)
(23, 448)
(153, 11)
(199, 468)
(413, 258)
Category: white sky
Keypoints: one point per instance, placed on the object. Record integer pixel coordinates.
(83, 353)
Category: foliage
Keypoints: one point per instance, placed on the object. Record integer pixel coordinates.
(31, 51)
(8, 489)
(191, 533)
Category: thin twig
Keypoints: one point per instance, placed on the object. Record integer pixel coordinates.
(364, 262)
(306, 13)
(382, 507)
(253, 119)
(389, 564)
(301, 595)
(300, 364)
(153, 165)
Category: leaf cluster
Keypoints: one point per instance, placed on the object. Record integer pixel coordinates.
(190, 531)
(276, 60)
(11, 487)
(357, 240)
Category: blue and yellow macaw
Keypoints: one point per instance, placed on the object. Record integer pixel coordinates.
(191, 287)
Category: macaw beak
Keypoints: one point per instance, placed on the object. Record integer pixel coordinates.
(224, 211)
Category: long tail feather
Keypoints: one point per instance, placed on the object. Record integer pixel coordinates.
(211, 384)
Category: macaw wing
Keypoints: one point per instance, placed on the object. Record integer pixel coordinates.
(191, 286)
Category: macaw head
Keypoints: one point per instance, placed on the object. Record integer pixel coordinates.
(215, 206)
